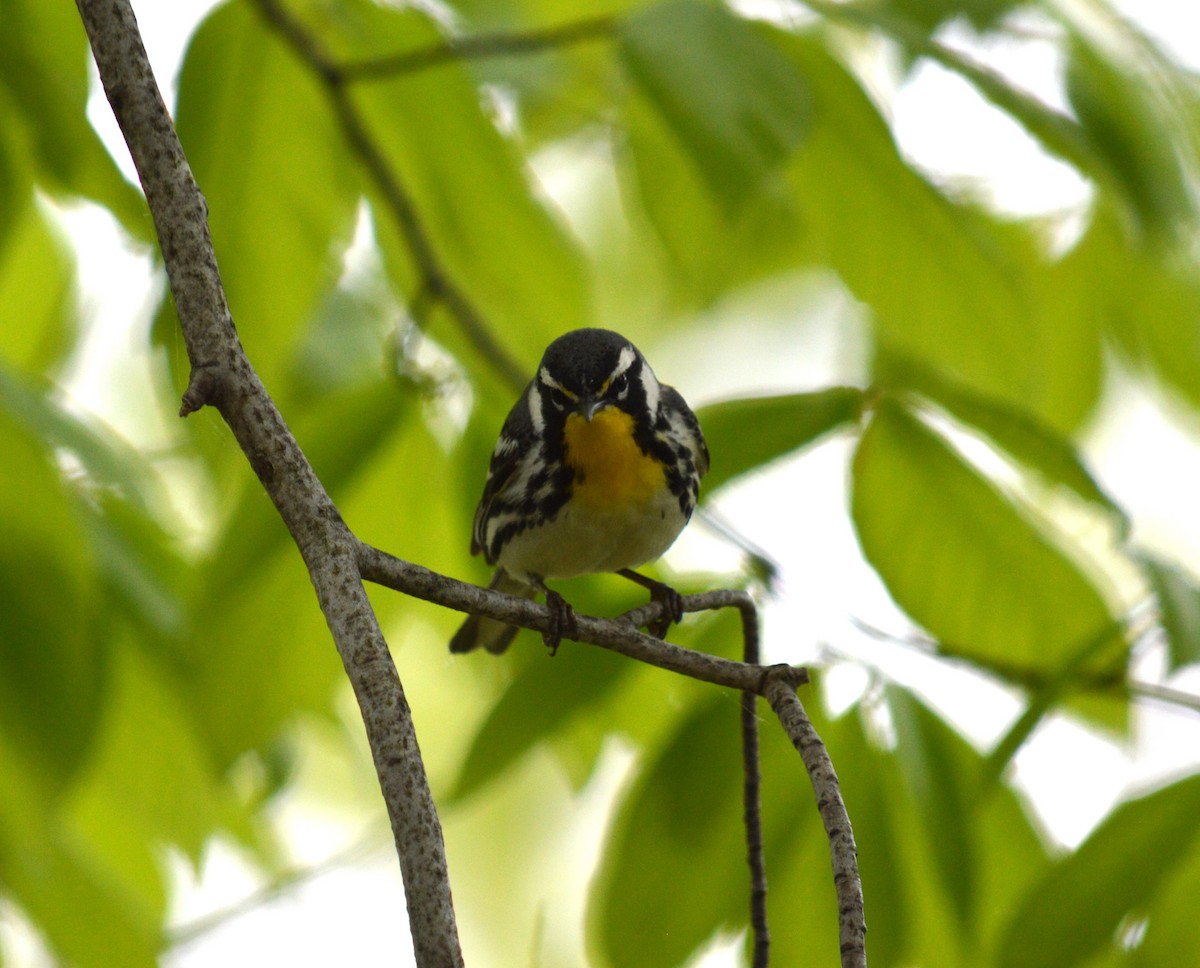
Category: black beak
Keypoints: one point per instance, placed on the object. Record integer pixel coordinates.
(588, 407)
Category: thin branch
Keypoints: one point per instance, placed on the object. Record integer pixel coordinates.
(478, 47)
(852, 927)
(752, 800)
(435, 281)
(223, 377)
(618, 635)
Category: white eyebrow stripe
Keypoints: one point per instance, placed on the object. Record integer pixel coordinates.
(534, 400)
(624, 362)
(650, 388)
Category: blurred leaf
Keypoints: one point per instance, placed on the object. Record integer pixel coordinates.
(44, 71)
(1171, 936)
(36, 285)
(469, 188)
(710, 247)
(87, 917)
(729, 96)
(1037, 447)
(16, 186)
(272, 165)
(961, 559)
(150, 777)
(108, 461)
(1178, 596)
(341, 435)
(748, 433)
(679, 825)
(350, 343)
(243, 696)
(1150, 300)
(260, 666)
(141, 565)
(1118, 870)
(1124, 118)
(52, 644)
(930, 14)
(539, 702)
(941, 771)
(941, 281)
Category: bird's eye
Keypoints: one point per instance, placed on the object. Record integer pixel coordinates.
(558, 398)
(620, 386)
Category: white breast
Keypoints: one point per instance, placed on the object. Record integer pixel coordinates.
(583, 541)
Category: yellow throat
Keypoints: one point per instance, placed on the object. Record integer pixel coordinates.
(609, 466)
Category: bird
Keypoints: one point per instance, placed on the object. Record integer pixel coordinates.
(597, 469)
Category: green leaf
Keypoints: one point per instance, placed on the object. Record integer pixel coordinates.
(930, 14)
(745, 434)
(1148, 297)
(1075, 910)
(961, 559)
(943, 283)
(469, 188)
(710, 247)
(1022, 436)
(941, 771)
(243, 697)
(729, 96)
(1171, 936)
(36, 284)
(542, 699)
(150, 775)
(107, 460)
(44, 75)
(341, 435)
(87, 917)
(680, 826)
(1178, 595)
(1131, 125)
(272, 165)
(52, 638)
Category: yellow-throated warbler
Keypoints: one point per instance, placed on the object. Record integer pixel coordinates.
(597, 469)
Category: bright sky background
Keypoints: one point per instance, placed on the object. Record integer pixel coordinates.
(1149, 462)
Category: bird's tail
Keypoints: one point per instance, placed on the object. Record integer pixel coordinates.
(493, 635)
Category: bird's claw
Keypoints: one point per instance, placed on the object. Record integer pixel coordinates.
(562, 621)
(671, 603)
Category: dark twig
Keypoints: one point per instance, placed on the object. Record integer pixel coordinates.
(223, 377)
(752, 800)
(852, 927)
(479, 46)
(435, 282)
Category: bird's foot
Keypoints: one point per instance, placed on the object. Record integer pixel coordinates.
(667, 598)
(562, 621)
